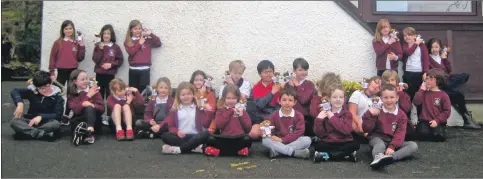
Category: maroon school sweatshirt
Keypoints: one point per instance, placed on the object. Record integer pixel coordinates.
(389, 127)
(408, 51)
(149, 112)
(75, 102)
(382, 49)
(140, 55)
(65, 54)
(337, 129)
(138, 100)
(288, 128)
(445, 65)
(202, 117)
(404, 102)
(108, 54)
(231, 125)
(305, 92)
(435, 105)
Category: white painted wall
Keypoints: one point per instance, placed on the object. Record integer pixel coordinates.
(208, 35)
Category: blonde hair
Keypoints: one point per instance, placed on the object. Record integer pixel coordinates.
(163, 80)
(380, 25)
(409, 31)
(132, 24)
(236, 63)
(324, 84)
(117, 85)
(390, 74)
(182, 86)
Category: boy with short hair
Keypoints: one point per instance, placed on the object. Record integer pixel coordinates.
(45, 111)
(236, 69)
(386, 129)
(287, 136)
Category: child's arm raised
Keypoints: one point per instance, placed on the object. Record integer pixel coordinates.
(81, 53)
(262, 102)
(399, 134)
(222, 118)
(370, 120)
(408, 51)
(132, 50)
(419, 96)
(405, 102)
(314, 106)
(424, 58)
(397, 50)
(448, 65)
(119, 57)
(297, 132)
(380, 47)
(154, 42)
(138, 99)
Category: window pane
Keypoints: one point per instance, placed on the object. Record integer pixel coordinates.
(423, 6)
(355, 3)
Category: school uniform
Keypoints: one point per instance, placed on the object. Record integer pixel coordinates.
(156, 109)
(416, 63)
(305, 92)
(50, 108)
(193, 122)
(91, 115)
(112, 100)
(382, 48)
(210, 98)
(405, 104)
(243, 85)
(436, 106)
(140, 61)
(387, 130)
(290, 128)
(233, 132)
(266, 103)
(110, 53)
(335, 135)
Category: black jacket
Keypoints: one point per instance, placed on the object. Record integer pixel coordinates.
(49, 107)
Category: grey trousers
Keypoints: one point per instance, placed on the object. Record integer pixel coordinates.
(408, 148)
(287, 149)
(21, 126)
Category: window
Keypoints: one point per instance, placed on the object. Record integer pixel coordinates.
(425, 7)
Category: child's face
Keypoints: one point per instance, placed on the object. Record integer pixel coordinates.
(120, 93)
(385, 30)
(267, 75)
(199, 81)
(231, 100)
(81, 82)
(374, 87)
(430, 82)
(389, 99)
(435, 48)
(287, 102)
(301, 73)
(186, 97)
(106, 35)
(337, 98)
(236, 73)
(68, 31)
(410, 39)
(391, 80)
(136, 31)
(162, 89)
(45, 90)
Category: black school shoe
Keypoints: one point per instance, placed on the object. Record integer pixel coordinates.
(80, 132)
(142, 134)
(352, 157)
(48, 136)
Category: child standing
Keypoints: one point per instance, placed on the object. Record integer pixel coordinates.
(138, 45)
(387, 129)
(87, 105)
(438, 59)
(287, 137)
(416, 60)
(186, 123)
(305, 91)
(205, 96)
(236, 69)
(121, 105)
(436, 107)
(45, 111)
(266, 95)
(156, 111)
(334, 128)
(66, 53)
(234, 124)
(388, 49)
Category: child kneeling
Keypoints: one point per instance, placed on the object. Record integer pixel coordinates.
(387, 129)
(334, 128)
(287, 137)
(234, 124)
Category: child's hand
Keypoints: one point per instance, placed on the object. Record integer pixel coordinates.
(391, 56)
(133, 89)
(180, 134)
(155, 128)
(239, 112)
(152, 122)
(101, 45)
(142, 40)
(35, 121)
(444, 55)
(86, 104)
(276, 139)
(319, 94)
(322, 115)
(80, 42)
(53, 77)
(208, 107)
(423, 87)
(92, 91)
(392, 40)
(106, 66)
(418, 41)
(202, 89)
(228, 79)
(433, 123)
(330, 114)
(375, 111)
(19, 111)
(129, 98)
(389, 151)
(148, 32)
(275, 88)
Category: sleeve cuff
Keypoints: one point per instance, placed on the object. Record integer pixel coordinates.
(392, 147)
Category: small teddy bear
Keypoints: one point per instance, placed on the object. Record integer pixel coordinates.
(276, 77)
(394, 34)
(365, 83)
(267, 128)
(225, 77)
(287, 76)
(209, 83)
(375, 102)
(325, 105)
(97, 39)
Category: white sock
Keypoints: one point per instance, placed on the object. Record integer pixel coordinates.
(118, 128)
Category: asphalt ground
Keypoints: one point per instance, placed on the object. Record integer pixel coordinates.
(460, 156)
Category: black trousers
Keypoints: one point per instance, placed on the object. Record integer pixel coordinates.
(63, 78)
(410, 132)
(91, 117)
(309, 126)
(229, 145)
(188, 142)
(427, 133)
(146, 126)
(139, 78)
(457, 101)
(414, 81)
(337, 151)
(103, 82)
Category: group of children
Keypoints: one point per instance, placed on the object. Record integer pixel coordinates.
(288, 116)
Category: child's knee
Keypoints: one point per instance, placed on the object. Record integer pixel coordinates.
(139, 123)
(117, 107)
(305, 140)
(267, 142)
(412, 146)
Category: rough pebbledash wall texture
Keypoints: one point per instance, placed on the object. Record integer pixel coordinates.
(208, 35)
